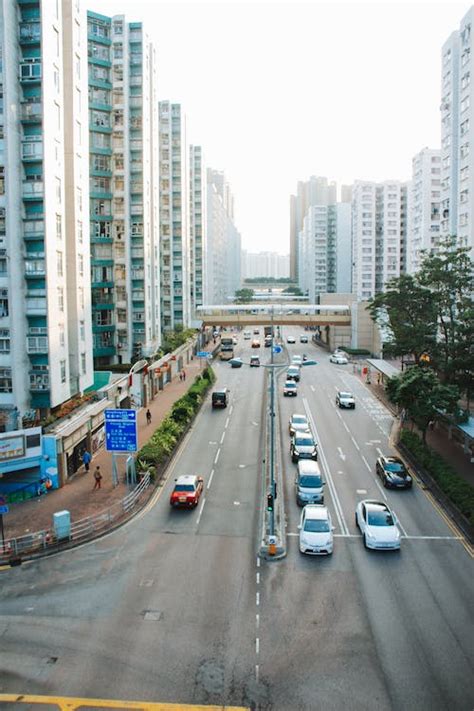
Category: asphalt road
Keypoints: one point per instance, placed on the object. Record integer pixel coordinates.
(177, 607)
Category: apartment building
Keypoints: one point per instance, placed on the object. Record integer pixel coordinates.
(45, 311)
(379, 213)
(123, 124)
(457, 134)
(197, 228)
(174, 218)
(223, 241)
(265, 264)
(424, 207)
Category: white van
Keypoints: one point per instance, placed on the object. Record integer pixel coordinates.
(309, 483)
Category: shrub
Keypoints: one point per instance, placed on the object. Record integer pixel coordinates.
(457, 489)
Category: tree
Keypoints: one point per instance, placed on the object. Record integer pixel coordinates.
(293, 290)
(420, 393)
(406, 310)
(243, 296)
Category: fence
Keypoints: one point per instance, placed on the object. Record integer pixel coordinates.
(81, 531)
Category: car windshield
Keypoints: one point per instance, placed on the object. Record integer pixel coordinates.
(316, 525)
(298, 420)
(345, 395)
(396, 467)
(310, 482)
(380, 517)
(290, 385)
(304, 441)
(184, 487)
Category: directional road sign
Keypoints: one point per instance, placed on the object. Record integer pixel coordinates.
(202, 354)
(277, 349)
(121, 431)
(3, 510)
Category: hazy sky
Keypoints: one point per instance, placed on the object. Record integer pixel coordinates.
(278, 91)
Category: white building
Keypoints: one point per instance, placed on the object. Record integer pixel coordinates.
(223, 241)
(423, 214)
(378, 235)
(265, 264)
(45, 309)
(197, 228)
(174, 218)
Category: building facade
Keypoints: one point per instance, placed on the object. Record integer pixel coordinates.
(123, 123)
(424, 207)
(174, 218)
(265, 264)
(44, 194)
(197, 229)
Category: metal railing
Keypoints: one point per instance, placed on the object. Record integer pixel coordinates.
(80, 531)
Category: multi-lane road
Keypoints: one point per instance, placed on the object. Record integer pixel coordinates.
(176, 605)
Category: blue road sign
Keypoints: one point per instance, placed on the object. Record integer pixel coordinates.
(202, 354)
(121, 431)
(277, 349)
(3, 510)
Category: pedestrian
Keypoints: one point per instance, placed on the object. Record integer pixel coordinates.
(184, 374)
(86, 459)
(148, 417)
(97, 477)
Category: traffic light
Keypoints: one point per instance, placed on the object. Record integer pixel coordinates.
(269, 502)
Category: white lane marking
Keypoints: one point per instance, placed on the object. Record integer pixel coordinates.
(355, 444)
(345, 426)
(257, 599)
(335, 497)
(222, 438)
(258, 578)
(375, 441)
(227, 423)
(200, 512)
(313, 388)
(292, 534)
(367, 463)
(217, 456)
(381, 490)
(257, 620)
(341, 454)
(258, 562)
(256, 673)
(434, 538)
(212, 442)
(361, 491)
(210, 479)
(339, 415)
(401, 528)
(257, 645)
(236, 503)
(231, 408)
(379, 451)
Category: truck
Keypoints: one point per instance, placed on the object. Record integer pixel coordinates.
(227, 348)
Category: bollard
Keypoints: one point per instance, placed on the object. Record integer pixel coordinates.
(272, 545)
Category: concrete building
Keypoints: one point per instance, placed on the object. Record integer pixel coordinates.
(378, 235)
(123, 123)
(423, 213)
(265, 264)
(174, 218)
(315, 191)
(223, 241)
(457, 134)
(45, 311)
(197, 228)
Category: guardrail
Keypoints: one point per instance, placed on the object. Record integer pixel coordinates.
(85, 529)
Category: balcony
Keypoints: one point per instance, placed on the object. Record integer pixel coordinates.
(36, 345)
(39, 382)
(35, 268)
(33, 190)
(31, 111)
(30, 32)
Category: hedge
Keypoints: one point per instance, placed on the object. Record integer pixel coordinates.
(457, 489)
(356, 351)
(166, 437)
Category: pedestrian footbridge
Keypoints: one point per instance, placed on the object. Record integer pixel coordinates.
(287, 314)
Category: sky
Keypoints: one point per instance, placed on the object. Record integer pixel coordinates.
(275, 92)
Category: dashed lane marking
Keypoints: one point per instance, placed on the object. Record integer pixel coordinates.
(210, 479)
(200, 511)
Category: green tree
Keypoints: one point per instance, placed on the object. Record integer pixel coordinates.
(420, 393)
(243, 296)
(293, 290)
(406, 312)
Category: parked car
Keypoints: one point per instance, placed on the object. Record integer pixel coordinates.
(255, 344)
(268, 341)
(378, 525)
(339, 358)
(254, 361)
(298, 423)
(290, 389)
(291, 339)
(187, 491)
(309, 483)
(316, 530)
(293, 373)
(393, 473)
(256, 331)
(303, 338)
(303, 446)
(345, 399)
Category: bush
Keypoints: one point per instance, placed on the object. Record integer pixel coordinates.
(357, 351)
(457, 489)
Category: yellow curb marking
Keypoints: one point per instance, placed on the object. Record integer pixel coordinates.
(70, 703)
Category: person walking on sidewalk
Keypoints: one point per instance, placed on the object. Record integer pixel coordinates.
(97, 477)
(148, 417)
(184, 374)
(86, 459)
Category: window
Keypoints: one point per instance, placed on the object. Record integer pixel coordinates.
(3, 302)
(2, 180)
(33, 441)
(59, 231)
(464, 127)
(59, 263)
(82, 331)
(80, 260)
(4, 340)
(465, 80)
(60, 298)
(79, 199)
(57, 182)
(61, 334)
(6, 385)
(465, 103)
(30, 71)
(62, 368)
(80, 235)
(83, 363)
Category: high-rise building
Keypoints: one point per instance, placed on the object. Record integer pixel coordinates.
(265, 264)
(197, 228)
(45, 312)
(123, 123)
(423, 214)
(378, 235)
(223, 241)
(315, 191)
(457, 134)
(174, 218)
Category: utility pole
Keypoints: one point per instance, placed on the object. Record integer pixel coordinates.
(272, 432)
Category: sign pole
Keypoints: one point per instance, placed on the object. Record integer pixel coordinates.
(3, 532)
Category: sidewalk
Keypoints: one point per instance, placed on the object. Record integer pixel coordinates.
(78, 496)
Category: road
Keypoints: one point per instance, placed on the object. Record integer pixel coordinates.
(176, 606)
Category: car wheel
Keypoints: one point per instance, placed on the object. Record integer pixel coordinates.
(356, 521)
(385, 484)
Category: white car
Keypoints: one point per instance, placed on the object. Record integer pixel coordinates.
(297, 360)
(316, 537)
(378, 525)
(339, 358)
(345, 399)
(298, 423)
(290, 389)
(291, 339)
(247, 335)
